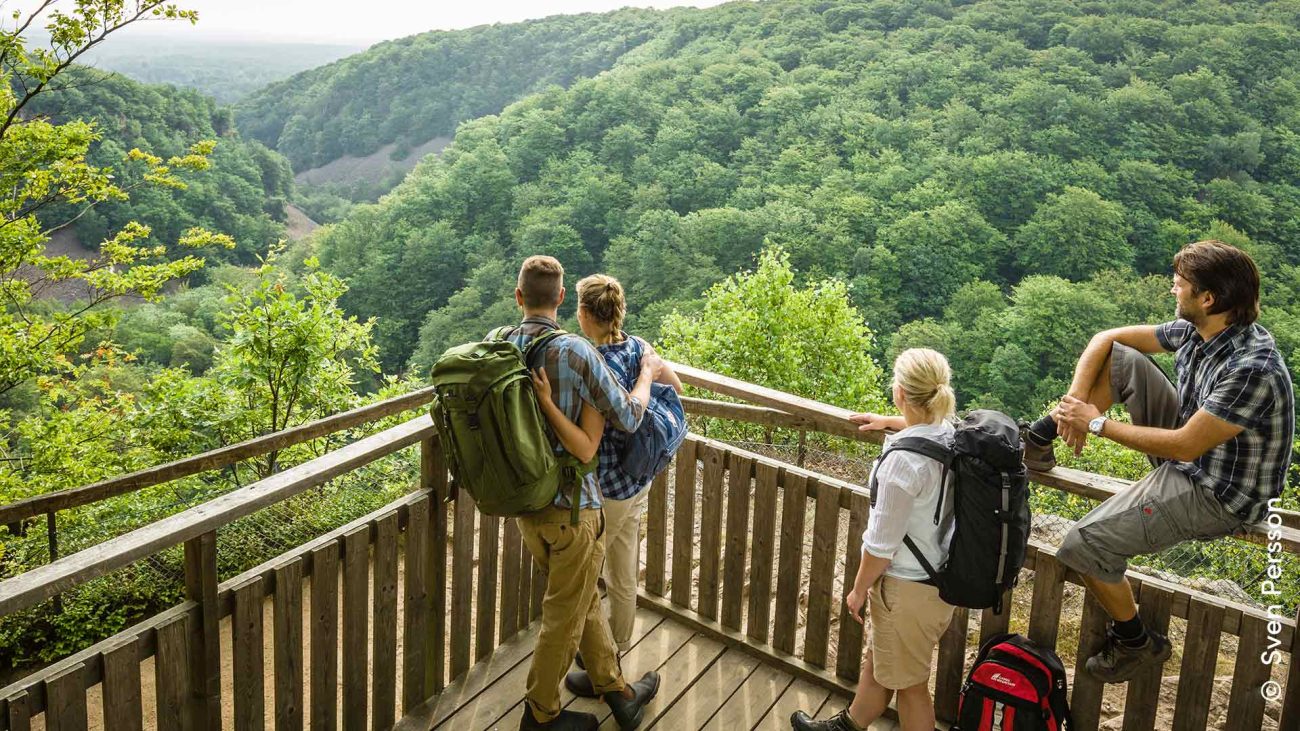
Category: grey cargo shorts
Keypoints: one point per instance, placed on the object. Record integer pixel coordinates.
(1159, 511)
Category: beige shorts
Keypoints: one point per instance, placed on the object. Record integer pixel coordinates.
(907, 620)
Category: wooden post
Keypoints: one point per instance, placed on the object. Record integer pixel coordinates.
(52, 532)
(205, 643)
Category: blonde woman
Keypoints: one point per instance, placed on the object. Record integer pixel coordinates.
(907, 615)
(601, 309)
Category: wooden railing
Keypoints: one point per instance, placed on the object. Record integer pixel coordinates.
(737, 544)
(755, 552)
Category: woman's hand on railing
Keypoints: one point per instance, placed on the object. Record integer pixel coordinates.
(877, 422)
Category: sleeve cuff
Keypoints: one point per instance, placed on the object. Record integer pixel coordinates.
(872, 551)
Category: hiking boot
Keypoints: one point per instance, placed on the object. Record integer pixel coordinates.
(629, 711)
(579, 684)
(800, 721)
(1038, 458)
(566, 721)
(1117, 662)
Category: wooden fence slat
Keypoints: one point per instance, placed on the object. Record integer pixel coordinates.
(1085, 703)
(1290, 718)
(356, 621)
(489, 534)
(246, 651)
(821, 575)
(1246, 703)
(952, 666)
(415, 602)
(511, 545)
(123, 708)
(1144, 688)
(740, 469)
(711, 500)
(435, 477)
(1196, 678)
(287, 631)
(20, 711)
(325, 636)
(65, 700)
(684, 524)
(171, 672)
(462, 585)
(1045, 610)
(656, 540)
(762, 551)
(525, 585)
(203, 704)
(383, 664)
(996, 623)
(848, 663)
(794, 507)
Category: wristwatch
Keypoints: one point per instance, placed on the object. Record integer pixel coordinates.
(1095, 426)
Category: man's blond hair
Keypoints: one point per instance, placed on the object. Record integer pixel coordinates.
(541, 279)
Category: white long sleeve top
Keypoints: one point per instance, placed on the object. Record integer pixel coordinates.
(905, 505)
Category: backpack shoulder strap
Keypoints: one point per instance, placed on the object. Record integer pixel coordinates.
(501, 333)
(540, 342)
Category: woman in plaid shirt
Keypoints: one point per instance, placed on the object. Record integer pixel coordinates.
(601, 308)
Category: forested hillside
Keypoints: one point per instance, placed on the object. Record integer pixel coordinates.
(411, 90)
(241, 194)
(1000, 179)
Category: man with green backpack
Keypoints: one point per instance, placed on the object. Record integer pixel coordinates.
(506, 458)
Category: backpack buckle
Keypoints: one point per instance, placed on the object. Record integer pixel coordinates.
(472, 417)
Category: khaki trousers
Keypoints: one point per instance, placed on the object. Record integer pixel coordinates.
(571, 556)
(622, 564)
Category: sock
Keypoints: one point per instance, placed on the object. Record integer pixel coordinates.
(1043, 431)
(1131, 633)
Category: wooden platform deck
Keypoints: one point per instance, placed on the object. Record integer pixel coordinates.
(705, 685)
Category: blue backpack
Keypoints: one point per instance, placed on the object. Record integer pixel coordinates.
(648, 450)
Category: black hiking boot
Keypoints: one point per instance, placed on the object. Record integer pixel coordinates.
(579, 684)
(800, 721)
(1117, 662)
(629, 711)
(1038, 458)
(566, 721)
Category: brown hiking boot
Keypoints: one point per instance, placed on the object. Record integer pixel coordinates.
(1038, 458)
(1117, 662)
(801, 721)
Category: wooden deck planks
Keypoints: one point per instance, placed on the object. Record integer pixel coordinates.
(799, 696)
(752, 700)
(709, 691)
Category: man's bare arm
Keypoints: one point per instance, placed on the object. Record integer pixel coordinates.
(1203, 432)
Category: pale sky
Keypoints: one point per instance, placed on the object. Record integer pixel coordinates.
(369, 21)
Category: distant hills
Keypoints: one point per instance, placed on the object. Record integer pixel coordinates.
(226, 70)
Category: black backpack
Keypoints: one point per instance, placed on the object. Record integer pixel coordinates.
(986, 472)
(1014, 685)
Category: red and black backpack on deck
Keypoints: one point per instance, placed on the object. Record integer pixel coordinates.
(1014, 685)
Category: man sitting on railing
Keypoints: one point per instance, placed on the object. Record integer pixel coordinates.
(1220, 442)
(572, 555)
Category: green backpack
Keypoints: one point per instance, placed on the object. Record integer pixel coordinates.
(493, 430)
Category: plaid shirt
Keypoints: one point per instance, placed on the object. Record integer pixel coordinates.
(1239, 377)
(577, 374)
(624, 359)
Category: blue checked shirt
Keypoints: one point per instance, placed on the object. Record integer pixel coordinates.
(624, 359)
(578, 374)
(1239, 377)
